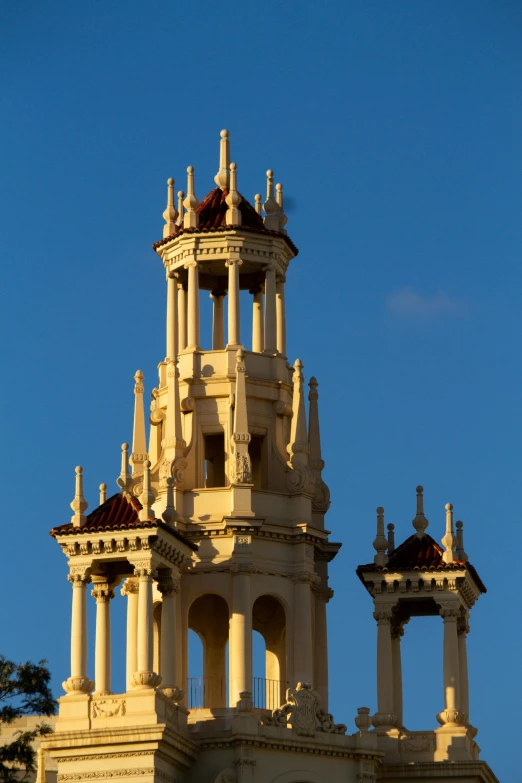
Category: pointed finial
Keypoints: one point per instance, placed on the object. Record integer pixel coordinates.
(298, 447)
(170, 515)
(103, 493)
(420, 523)
(258, 198)
(222, 177)
(124, 479)
(321, 500)
(233, 216)
(146, 497)
(139, 435)
(449, 541)
(191, 218)
(171, 212)
(460, 553)
(380, 543)
(283, 220)
(271, 206)
(79, 504)
(391, 537)
(181, 208)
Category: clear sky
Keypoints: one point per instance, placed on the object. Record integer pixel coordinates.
(395, 128)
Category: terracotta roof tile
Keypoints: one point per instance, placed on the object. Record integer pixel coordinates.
(119, 512)
(420, 554)
(212, 217)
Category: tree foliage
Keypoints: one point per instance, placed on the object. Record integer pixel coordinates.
(24, 690)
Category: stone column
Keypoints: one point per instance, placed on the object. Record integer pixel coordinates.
(240, 644)
(193, 306)
(257, 320)
(78, 682)
(270, 311)
(103, 593)
(303, 637)
(321, 646)
(172, 317)
(130, 589)
(280, 318)
(168, 588)
(451, 712)
(384, 716)
(397, 632)
(218, 325)
(182, 318)
(234, 338)
(145, 677)
(462, 631)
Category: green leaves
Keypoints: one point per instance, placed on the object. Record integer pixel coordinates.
(24, 690)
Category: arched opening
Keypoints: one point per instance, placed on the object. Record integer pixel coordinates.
(208, 618)
(268, 619)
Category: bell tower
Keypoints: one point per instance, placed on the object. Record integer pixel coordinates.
(218, 528)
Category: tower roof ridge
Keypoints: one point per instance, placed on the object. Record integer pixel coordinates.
(212, 212)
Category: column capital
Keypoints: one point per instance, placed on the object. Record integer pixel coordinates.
(232, 261)
(306, 578)
(383, 615)
(145, 572)
(79, 579)
(172, 275)
(449, 613)
(102, 592)
(168, 585)
(191, 264)
(130, 587)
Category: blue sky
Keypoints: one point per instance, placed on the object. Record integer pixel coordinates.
(395, 128)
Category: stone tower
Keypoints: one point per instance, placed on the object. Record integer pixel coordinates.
(218, 527)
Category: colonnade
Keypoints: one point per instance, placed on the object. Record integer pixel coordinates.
(140, 632)
(138, 590)
(389, 668)
(268, 312)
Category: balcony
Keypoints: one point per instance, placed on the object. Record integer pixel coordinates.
(213, 692)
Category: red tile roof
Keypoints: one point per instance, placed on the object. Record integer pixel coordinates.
(420, 554)
(212, 217)
(119, 512)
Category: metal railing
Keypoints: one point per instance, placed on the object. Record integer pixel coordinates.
(212, 692)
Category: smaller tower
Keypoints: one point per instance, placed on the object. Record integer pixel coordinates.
(417, 579)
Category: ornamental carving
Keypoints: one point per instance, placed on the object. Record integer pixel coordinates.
(303, 713)
(321, 498)
(419, 743)
(301, 480)
(240, 469)
(108, 708)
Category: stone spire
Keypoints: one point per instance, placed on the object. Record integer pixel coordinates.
(173, 442)
(298, 446)
(139, 437)
(171, 212)
(380, 543)
(181, 208)
(191, 218)
(241, 468)
(419, 522)
(222, 177)
(271, 206)
(146, 497)
(321, 500)
(233, 216)
(460, 553)
(449, 541)
(79, 504)
(283, 220)
(124, 479)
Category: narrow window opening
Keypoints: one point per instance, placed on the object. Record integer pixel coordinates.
(214, 466)
(256, 450)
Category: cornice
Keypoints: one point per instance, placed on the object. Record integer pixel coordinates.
(308, 746)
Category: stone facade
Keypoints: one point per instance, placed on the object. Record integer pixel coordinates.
(219, 527)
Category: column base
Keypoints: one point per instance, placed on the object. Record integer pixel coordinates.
(141, 680)
(78, 685)
(452, 718)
